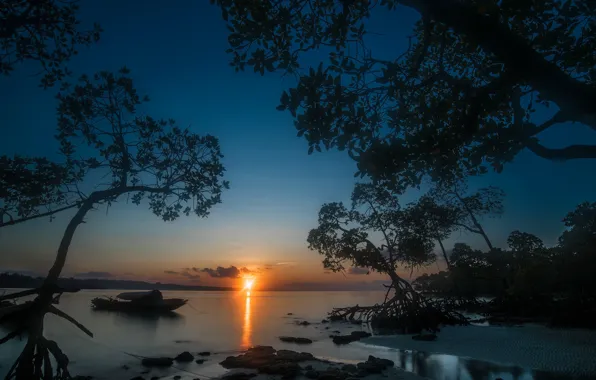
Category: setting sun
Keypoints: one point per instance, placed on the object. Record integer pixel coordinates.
(248, 283)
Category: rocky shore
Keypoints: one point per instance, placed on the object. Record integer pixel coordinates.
(258, 363)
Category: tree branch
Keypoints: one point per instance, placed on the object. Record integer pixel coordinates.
(572, 96)
(571, 152)
(49, 213)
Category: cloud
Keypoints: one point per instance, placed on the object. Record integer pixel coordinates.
(286, 263)
(358, 270)
(94, 275)
(186, 272)
(221, 272)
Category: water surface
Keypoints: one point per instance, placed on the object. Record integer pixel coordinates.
(231, 321)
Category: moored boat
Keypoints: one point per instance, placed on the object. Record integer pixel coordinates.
(151, 301)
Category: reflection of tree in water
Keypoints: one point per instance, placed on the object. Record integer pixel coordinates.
(422, 363)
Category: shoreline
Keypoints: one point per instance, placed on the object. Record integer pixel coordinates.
(569, 352)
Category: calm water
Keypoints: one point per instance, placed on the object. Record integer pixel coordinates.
(231, 321)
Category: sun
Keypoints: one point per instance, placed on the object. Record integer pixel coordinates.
(248, 283)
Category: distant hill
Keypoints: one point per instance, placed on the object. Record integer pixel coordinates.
(15, 280)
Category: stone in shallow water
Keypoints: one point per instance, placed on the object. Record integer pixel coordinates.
(297, 340)
(346, 339)
(184, 357)
(293, 356)
(157, 362)
(204, 353)
(375, 365)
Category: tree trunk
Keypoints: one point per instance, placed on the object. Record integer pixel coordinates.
(444, 254)
(26, 365)
(474, 220)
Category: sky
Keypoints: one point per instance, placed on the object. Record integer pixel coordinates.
(177, 57)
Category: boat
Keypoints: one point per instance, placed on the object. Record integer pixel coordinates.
(151, 301)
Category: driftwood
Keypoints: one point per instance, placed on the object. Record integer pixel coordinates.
(34, 361)
(403, 309)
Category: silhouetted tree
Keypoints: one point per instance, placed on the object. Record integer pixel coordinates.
(459, 100)
(46, 31)
(469, 209)
(344, 236)
(439, 220)
(101, 135)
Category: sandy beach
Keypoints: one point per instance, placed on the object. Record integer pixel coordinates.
(536, 347)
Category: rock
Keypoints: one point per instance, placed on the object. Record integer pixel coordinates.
(344, 339)
(145, 372)
(155, 378)
(335, 318)
(204, 353)
(184, 357)
(294, 356)
(356, 321)
(287, 370)
(200, 361)
(157, 362)
(138, 378)
(360, 334)
(349, 368)
(297, 340)
(177, 377)
(324, 321)
(261, 351)
(425, 337)
(326, 327)
(290, 314)
(125, 367)
(336, 332)
(253, 358)
(308, 368)
(303, 323)
(183, 341)
(239, 376)
(311, 374)
(78, 377)
(375, 365)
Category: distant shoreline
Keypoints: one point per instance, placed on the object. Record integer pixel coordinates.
(15, 280)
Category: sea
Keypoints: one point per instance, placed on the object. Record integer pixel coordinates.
(224, 323)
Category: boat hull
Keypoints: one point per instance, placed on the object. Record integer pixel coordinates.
(163, 306)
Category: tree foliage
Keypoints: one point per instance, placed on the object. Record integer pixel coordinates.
(46, 31)
(101, 134)
(375, 232)
(528, 279)
(461, 99)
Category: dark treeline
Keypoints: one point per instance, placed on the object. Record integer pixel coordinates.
(528, 279)
(15, 280)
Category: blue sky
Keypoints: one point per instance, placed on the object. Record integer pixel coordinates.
(176, 51)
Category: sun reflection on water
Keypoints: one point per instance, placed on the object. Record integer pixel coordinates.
(247, 326)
